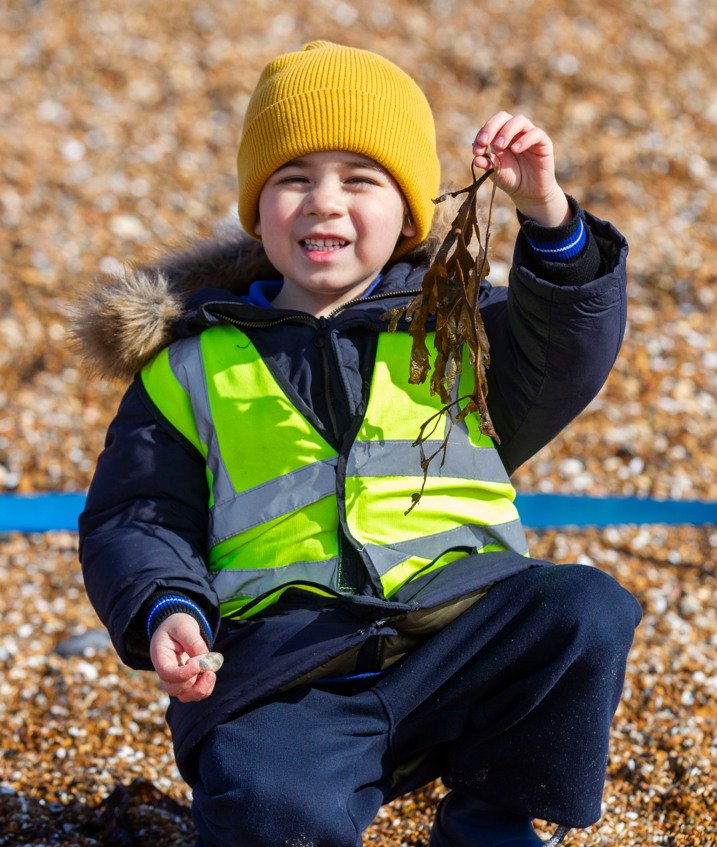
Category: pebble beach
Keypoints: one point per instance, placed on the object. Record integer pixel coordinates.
(118, 130)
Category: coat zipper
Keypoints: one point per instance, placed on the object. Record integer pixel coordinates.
(302, 317)
(320, 343)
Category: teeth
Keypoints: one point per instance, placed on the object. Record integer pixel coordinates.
(323, 243)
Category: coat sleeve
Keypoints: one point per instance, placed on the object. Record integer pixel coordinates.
(144, 526)
(552, 344)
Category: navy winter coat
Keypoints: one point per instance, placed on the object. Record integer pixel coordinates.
(553, 344)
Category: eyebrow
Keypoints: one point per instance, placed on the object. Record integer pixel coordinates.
(357, 163)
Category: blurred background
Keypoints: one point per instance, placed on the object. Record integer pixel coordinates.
(119, 123)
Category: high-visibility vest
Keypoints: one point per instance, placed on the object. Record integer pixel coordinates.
(280, 493)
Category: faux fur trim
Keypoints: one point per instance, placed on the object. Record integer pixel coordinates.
(119, 323)
(122, 321)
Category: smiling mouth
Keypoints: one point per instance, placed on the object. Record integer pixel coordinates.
(322, 245)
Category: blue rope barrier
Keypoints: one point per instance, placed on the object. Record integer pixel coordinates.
(543, 511)
(59, 511)
(40, 512)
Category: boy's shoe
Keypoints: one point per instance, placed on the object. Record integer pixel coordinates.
(557, 837)
(463, 822)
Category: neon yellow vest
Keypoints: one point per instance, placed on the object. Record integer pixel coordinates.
(279, 492)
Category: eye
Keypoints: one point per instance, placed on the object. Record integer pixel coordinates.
(362, 179)
(290, 179)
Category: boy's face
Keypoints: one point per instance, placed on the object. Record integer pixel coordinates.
(329, 222)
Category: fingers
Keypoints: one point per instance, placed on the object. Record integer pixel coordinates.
(504, 131)
(186, 682)
(524, 166)
(489, 131)
(172, 672)
(196, 688)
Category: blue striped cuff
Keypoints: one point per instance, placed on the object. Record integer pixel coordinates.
(175, 600)
(565, 248)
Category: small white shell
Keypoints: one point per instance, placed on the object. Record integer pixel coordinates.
(210, 661)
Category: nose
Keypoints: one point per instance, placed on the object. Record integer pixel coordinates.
(324, 200)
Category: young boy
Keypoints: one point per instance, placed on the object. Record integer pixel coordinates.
(252, 491)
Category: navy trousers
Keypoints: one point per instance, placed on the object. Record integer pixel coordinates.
(510, 704)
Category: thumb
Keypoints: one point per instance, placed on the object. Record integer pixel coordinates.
(189, 642)
(195, 646)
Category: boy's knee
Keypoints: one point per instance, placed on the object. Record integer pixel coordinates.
(595, 608)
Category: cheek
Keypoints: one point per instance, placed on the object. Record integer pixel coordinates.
(386, 223)
(269, 228)
(261, 214)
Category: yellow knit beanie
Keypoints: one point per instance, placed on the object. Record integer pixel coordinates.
(331, 97)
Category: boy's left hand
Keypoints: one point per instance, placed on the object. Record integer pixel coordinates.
(526, 166)
(173, 648)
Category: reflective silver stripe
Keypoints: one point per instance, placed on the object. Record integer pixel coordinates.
(401, 458)
(509, 534)
(272, 499)
(256, 581)
(459, 388)
(185, 360)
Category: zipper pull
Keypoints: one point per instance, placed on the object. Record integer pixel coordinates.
(320, 337)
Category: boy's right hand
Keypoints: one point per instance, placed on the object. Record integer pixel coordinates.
(172, 648)
(526, 172)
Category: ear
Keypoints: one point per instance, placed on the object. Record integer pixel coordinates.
(408, 230)
(257, 228)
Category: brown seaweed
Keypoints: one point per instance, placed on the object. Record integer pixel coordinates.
(450, 293)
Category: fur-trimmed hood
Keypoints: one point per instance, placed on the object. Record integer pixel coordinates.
(120, 322)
